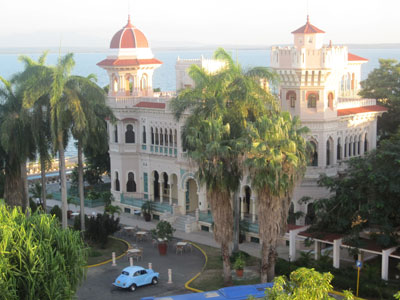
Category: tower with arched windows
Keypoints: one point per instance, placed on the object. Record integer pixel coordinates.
(320, 84)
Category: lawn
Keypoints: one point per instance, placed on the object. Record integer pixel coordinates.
(98, 254)
(211, 278)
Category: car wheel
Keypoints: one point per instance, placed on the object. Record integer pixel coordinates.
(132, 287)
(154, 280)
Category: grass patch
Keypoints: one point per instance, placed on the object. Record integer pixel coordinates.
(98, 254)
(212, 277)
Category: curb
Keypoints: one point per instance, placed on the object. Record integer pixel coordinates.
(198, 274)
(110, 260)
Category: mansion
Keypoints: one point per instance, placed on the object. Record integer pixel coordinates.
(319, 84)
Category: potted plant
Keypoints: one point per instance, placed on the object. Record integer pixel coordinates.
(239, 265)
(162, 234)
(147, 209)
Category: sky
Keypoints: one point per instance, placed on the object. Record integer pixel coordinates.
(169, 23)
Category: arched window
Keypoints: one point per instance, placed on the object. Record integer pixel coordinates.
(157, 136)
(354, 146)
(131, 184)
(144, 135)
(115, 84)
(166, 137)
(330, 100)
(339, 150)
(116, 182)
(161, 137)
(310, 216)
(129, 134)
(116, 133)
(143, 82)
(291, 96)
(175, 138)
(314, 155)
(328, 153)
(130, 84)
(171, 138)
(152, 135)
(365, 143)
(359, 145)
(312, 101)
(350, 146)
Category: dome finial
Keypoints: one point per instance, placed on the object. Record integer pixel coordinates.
(308, 18)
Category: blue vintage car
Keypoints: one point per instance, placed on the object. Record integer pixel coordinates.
(132, 277)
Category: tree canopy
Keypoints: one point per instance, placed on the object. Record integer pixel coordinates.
(365, 196)
(383, 84)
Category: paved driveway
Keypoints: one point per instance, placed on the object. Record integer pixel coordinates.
(98, 284)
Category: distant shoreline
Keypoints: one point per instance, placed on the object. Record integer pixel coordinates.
(33, 50)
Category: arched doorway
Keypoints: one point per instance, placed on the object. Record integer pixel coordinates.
(246, 199)
(156, 186)
(192, 198)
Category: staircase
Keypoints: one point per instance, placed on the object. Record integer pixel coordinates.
(185, 223)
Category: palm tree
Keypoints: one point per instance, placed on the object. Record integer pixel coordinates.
(276, 161)
(94, 133)
(17, 143)
(215, 134)
(65, 108)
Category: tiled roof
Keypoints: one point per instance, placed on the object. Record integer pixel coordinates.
(308, 28)
(151, 105)
(129, 37)
(129, 62)
(353, 57)
(360, 110)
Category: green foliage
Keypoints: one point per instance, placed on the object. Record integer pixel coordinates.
(100, 227)
(38, 259)
(364, 197)
(32, 205)
(397, 295)
(304, 284)
(163, 230)
(147, 207)
(56, 211)
(383, 84)
(239, 263)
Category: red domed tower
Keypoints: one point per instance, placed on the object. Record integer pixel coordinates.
(130, 65)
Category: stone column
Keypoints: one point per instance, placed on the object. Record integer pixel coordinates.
(253, 217)
(241, 208)
(170, 194)
(161, 191)
(385, 262)
(336, 253)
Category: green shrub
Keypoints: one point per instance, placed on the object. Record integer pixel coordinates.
(100, 227)
(56, 211)
(33, 206)
(38, 260)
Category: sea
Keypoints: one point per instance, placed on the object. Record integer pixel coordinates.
(164, 77)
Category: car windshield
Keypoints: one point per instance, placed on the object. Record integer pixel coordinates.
(125, 273)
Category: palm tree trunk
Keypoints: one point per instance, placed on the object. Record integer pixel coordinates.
(24, 185)
(13, 190)
(221, 209)
(43, 181)
(81, 186)
(236, 221)
(269, 222)
(63, 179)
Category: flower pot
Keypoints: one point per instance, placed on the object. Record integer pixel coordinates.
(147, 217)
(239, 273)
(162, 248)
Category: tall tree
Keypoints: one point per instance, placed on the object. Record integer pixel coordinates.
(215, 134)
(94, 134)
(276, 160)
(65, 108)
(40, 124)
(17, 143)
(383, 84)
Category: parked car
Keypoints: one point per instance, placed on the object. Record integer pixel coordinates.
(135, 276)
